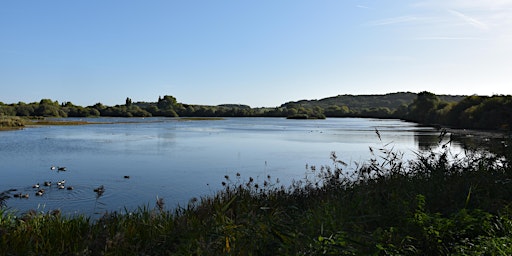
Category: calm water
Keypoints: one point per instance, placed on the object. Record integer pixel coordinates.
(178, 160)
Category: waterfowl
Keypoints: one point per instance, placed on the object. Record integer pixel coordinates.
(17, 195)
(99, 189)
(24, 196)
(61, 187)
(52, 168)
(126, 177)
(47, 183)
(69, 188)
(36, 185)
(61, 169)
(40, 192)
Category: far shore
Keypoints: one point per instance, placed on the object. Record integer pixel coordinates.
(8, 123)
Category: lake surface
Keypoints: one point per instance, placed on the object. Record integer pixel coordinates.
(179, 159)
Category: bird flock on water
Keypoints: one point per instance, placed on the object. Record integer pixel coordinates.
(41, 188)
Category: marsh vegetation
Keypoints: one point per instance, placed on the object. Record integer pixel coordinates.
(435, 204)
(7, 123)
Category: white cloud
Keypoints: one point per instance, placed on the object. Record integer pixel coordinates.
(455, 20)
(478, 13)
(395, 20)
(465, 4)
(470, 20)
(447, 38)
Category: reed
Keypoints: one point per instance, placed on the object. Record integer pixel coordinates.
(11, 122)
(436, 204)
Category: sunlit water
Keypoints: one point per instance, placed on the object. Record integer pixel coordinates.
(178, 159)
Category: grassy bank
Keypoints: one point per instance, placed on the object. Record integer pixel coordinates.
(13, 122)
(433, 205)
(9, 122)
(59, 122)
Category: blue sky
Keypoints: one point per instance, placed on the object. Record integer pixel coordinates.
(260, 53)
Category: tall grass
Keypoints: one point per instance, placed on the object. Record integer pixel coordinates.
(436, 204)
(10, 122)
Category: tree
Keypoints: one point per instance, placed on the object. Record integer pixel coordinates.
(7, 110)
(47, 110)
(167, 102)
(92, 111)
(423, 108)
(49, 102)
(458, 116)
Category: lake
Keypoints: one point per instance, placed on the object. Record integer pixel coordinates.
(179, 159)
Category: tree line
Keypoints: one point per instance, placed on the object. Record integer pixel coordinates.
(475, 112)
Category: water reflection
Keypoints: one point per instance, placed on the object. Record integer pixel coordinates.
(427, 141)
(495, 143)
(462, 140)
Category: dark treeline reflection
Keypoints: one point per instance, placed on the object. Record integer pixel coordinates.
(496, 143)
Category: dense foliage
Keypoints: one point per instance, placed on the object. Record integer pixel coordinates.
(10, 122)
(474, 112)
(437, 204)
(479, 112)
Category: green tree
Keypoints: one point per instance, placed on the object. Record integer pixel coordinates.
(49, 102)
(153, 109)
(47, 110)
(423, 108)
(93, 112)
(167, 102)
(458, 116)
(337, 111)
(6, 110)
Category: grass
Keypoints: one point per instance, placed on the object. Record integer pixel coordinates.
(9, 123)
(13, 122)
(436, 204)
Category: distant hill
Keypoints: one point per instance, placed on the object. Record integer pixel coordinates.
(360, 102)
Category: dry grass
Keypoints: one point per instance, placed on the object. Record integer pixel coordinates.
(9, 123)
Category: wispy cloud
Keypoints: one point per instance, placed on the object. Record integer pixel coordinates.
(447, 38)
(395, 20)
(465, 4)
(470, 20)
(462, 20)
